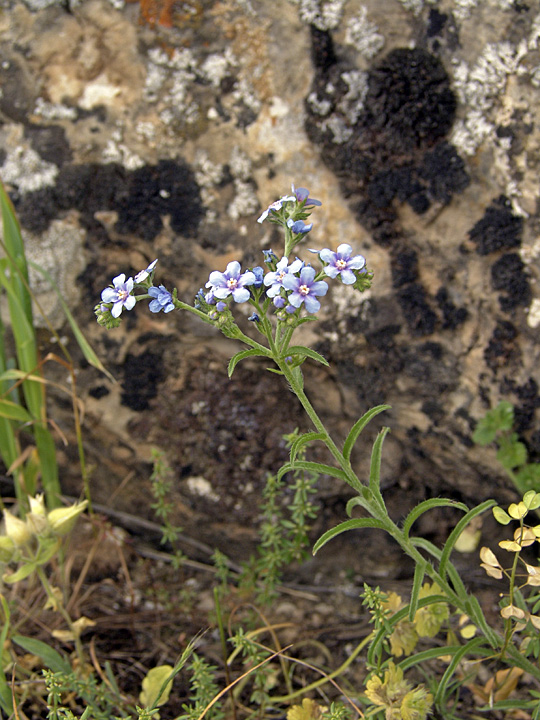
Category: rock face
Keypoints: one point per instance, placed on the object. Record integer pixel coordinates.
(160, 129)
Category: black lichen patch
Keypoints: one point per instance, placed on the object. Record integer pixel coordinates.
(142, 198)
(50, 142)
(142, 373)
(18, 95)
(499, 229)
(453, 316)
(409, 101)
(404, 264)
(502, 348)
(386, 139)
(420, 316)
(508, 275)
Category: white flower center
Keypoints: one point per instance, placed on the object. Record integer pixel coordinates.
(123, 294)
(303, 290)
(281, 275)
(341, 264)
(232, 283)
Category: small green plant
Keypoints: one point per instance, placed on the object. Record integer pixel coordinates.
(497, 427)
(161, 481)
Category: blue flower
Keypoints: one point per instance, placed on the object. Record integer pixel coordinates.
(119, 295)
(221, 306)
(141, 276)
(163, 300)
(302, 194)
(275, 279)
(299, 226)
(259, 274)
(275, 206)
(254, 318)
(341, 263)
(305, 289)
(279, 302)
(269, 256)
(231, 282)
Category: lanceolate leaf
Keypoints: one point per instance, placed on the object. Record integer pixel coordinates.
(304, 439)
(52, 659)
(306, 352)
(428, 505)
(375, 466)
(242, 355)
(13, 411)
(314, 467)
(357, 428)
(354, 524)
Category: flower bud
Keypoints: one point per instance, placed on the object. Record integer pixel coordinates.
(37, 505)
(17, 530)
(62, 520)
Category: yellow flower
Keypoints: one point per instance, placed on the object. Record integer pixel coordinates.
(62, 520)
(17, 530)
(428, 619)
(309, 710)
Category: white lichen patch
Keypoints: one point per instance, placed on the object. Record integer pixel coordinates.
(200, 486)
(26, 170)
(323, 14)
(533, 315)
(116, 151)
(54, 111)
(352, 103)
(363, 35)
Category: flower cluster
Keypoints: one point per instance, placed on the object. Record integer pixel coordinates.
(524, 536)
(287, 286)
(38, 525)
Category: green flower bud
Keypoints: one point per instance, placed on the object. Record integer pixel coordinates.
(62, 520)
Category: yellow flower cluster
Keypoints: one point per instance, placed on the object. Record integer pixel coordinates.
(19, 534)
(397, 696)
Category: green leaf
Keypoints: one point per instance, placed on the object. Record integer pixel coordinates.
(305, 352)
(528, 477)
(13, 411)
(354, 524)
(302, 440)
(469, 648)
(456, 532)
(500, 418)
(427, 505)
(242, 355)
(357, 428)
(20, 574)
(156, 686)
(501, 516)
(52, 659)
(375, 466)
(511, 453)
(313, 467)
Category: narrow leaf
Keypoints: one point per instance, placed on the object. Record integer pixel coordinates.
(242, 355)
(354, 524)
(52, 659)
(12, 411)
(467, 649)
(306, 352)
(375, 466)
(302, 440)
(357, 428)
(426, 505)
(314, 467)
